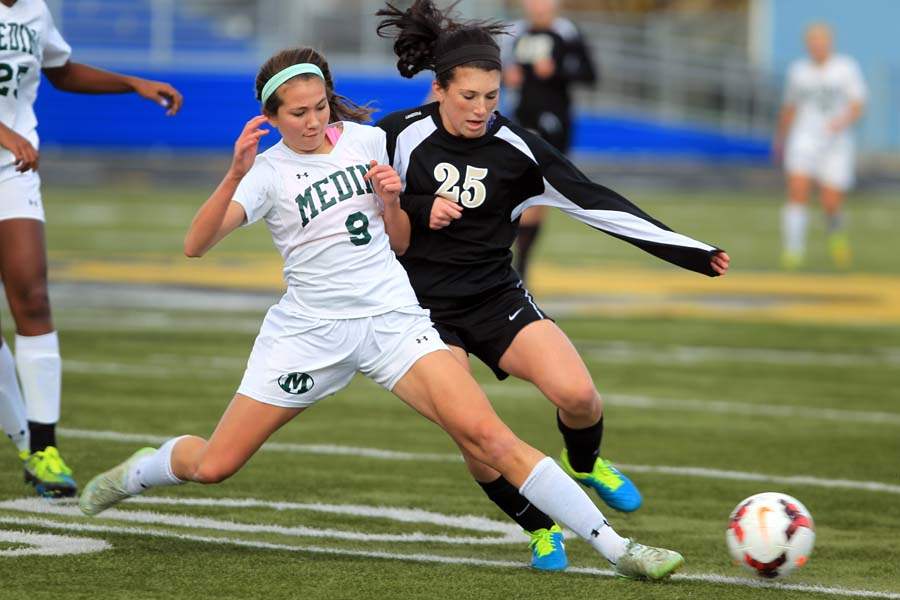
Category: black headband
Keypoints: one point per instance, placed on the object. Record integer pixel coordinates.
(467, 54)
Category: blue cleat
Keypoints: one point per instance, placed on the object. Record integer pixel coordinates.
(613, 488)
(548, 550)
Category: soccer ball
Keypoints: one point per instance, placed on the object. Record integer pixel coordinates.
(771, 534)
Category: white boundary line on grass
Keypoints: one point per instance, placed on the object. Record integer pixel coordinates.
(376, 453)
(714, 406)
(432, 558)
(681, 354)
(214, 367)
(42, 544)
(506, 533)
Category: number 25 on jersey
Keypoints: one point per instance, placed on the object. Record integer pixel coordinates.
(470, 194)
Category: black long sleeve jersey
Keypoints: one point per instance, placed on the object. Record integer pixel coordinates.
(495, 177)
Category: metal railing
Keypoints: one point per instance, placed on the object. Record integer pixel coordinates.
(690, 68)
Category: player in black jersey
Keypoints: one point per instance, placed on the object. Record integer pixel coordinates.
(543, 57)
(469, 173)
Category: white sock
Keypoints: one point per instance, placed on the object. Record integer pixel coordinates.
(154, 470)
(794, 218)
(12, 407)
(40, 373)
(555, 493)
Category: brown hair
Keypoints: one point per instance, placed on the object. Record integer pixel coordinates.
(342, 109)
(423, 35)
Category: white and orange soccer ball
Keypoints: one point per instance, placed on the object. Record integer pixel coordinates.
(771, 534)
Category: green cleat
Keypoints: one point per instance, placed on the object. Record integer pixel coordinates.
(48, 473)
(791, 261)
(646, 562)
(108, 488)
(839, 249)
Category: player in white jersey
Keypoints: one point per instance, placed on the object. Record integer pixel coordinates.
(349, 308)
(29, 45)
(824, 97)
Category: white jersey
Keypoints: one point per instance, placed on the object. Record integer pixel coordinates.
(822, 93)
(327, 224)
(29, 41)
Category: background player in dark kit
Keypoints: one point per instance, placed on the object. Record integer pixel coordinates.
(543, 57)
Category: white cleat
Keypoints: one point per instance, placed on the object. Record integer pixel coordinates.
(647, 562)
(108, 488)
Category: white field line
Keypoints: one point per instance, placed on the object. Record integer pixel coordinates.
(156, 321)
(376, 453)
(432, 558)
(516, 389)
(509, 533)
(629, 352)
(214, 368)
(326, 449)
(42, 544)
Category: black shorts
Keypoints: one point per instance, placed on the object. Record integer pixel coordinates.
(486, 325)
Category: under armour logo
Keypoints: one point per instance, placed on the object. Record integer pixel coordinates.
(596, 532)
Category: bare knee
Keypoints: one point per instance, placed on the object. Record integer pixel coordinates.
(192, 458)
(798, 189)
(491, 443)
(212, 471)
(577, 398)
(30, 305)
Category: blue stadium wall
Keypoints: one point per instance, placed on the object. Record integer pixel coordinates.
(217, 105)
(864, 29)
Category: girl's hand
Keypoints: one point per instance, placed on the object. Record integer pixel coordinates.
(720, 262)
(386, 182)
(158, 92)
(544, 68)
(443, 212)
(25, 154)
(246, 146)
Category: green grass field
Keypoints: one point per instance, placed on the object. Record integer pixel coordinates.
(701, 413)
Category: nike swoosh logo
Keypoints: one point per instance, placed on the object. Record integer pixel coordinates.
(516, 314)
(522, 512)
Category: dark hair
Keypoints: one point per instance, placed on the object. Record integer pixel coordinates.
(423, 34)
(342, 109)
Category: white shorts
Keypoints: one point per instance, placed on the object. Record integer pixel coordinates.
(298, 360)
(829, 161)
(20, 197)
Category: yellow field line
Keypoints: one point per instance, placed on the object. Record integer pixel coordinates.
(762, 296)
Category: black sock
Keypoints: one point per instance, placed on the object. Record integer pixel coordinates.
(42, 435)
(583, 445)
(507, 497)
(525, 239)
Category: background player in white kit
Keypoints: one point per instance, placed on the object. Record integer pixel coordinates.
(30, 44)
(349, 308)
(824, 97)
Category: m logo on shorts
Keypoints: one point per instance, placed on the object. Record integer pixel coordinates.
(296, 383)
